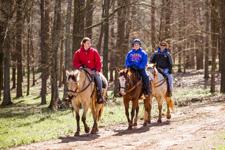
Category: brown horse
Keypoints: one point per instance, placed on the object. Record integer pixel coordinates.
(81, 90)
(159, 91)
(130, 88)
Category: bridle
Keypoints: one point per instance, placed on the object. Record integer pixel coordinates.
(83, 88)
(128, 83)
(161, 81)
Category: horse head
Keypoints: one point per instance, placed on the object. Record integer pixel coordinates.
(123, 80)
(72, 84)
(152, 69)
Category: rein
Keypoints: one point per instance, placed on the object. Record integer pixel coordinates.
(83, 89)
(135, 85)
(164, 79)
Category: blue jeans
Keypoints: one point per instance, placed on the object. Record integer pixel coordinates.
(145, 78)
(170, 78)
(99, 82)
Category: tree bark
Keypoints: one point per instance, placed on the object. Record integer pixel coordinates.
(55, 42)
(106, 39)
(78, 24)
(153, 31)
(206, 70)
(67, 43)
(19, 32)
(43, 54)
(214, 43)
(89, 15)
(28, 54)
(222, 67)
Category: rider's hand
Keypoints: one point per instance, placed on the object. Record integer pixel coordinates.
(81, 67)
(97, 73)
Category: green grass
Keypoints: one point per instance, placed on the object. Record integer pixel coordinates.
(222, 138)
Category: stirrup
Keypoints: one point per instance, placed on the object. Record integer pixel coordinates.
(100, 100)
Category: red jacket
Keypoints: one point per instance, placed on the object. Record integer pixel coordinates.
(91, 59)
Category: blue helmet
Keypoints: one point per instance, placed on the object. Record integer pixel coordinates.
(137, 41)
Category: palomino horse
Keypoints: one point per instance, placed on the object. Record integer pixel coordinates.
(159, 91)
(130, 88)
(81, 90)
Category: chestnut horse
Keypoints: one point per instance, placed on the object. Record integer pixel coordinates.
(131, 88)
(159, 91)
(81, 90)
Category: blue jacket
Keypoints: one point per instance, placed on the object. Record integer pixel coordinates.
(137, 58)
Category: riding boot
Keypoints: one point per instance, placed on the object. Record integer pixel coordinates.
(169, 93)
(148, 93)
(100, 99)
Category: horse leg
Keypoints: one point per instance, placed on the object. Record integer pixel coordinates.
(76, 109)
(86, 128)
(94, 114)
(134, 106)
(159, 99)
(136, 116)
(126, 105)
(150, 109)
(98, 109)
(168, 116)
(146, 105)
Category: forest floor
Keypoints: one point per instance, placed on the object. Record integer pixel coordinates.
(198, 123)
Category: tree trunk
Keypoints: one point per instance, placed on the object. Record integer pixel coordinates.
(153, 31)
(43, 53)
(119, 43)
(78, 24)
(89, 15)
(99, 45)
(67, 43)
(32, 52)
(214, 43)
(19, 48)
(5, 45)
(206, 71)
(55, 42)
(106, 39)
(1, 56)
(61, 62)
(222, 67)
(112, 53)
(28, 55)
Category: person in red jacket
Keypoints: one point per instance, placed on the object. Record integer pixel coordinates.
(88, 57)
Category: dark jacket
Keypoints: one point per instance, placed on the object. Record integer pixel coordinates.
(162, 59)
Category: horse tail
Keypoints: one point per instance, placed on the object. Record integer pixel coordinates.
(100, 112)
(171, 104)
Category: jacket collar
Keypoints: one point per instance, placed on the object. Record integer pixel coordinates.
(82, 48)
(165, 50)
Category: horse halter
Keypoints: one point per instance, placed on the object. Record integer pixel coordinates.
(126, 83)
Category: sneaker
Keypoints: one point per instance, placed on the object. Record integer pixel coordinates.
(147, 94)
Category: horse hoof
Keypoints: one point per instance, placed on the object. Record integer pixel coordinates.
(149, 121)
(135, 124)
(93, 132)
(169, 116)
(145, 124)
(159, 121)
(77, 134)
(130, 128)
(87, 129)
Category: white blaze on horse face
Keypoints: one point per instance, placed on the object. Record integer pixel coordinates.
(122, 81)
(71, 85)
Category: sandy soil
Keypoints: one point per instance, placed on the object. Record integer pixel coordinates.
(192, 127)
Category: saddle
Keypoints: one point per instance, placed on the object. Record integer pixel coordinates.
(165, 76)
(92, 75)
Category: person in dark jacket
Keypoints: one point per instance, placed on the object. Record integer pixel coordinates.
(88, 57)
(164, 62)
(137, 58)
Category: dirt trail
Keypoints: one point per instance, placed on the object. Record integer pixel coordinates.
(191, 127)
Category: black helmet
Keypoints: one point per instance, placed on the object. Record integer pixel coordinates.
(137, 41)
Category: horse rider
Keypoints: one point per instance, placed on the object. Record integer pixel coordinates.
(137, 58)
(164, 62)
(88, 57)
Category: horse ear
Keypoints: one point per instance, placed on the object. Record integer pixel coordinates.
(118, 70)
(128, 69)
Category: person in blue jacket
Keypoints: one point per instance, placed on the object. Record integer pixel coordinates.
(137, 58)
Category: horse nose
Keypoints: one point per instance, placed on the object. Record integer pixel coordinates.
(122, 92)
